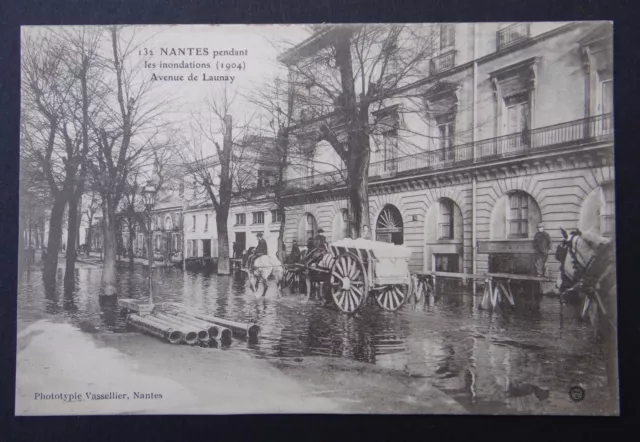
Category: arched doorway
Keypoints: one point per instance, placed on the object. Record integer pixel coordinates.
(389, 226)
(307, 228)
(340, 226)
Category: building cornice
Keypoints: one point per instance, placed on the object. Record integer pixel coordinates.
(595, 154)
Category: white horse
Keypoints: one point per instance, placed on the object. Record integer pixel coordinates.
(263, 267)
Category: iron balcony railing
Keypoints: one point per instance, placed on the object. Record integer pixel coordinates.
(525, 143)
(512, 34)
(442, 62)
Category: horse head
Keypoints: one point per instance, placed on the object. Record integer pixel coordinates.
(564, 254)
(576, 254)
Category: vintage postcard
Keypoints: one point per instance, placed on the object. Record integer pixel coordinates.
(357, 218)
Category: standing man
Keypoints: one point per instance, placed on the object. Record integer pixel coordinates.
(295, 252)
(541, 247)
(366, 232)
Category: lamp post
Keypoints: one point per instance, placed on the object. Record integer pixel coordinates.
(149, 199)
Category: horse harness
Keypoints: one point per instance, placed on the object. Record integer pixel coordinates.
(584, 280)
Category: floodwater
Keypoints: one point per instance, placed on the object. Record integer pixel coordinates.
(491, 362)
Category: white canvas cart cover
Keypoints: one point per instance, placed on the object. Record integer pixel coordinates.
(392, 260)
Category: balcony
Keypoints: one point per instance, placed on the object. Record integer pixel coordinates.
(442, 62)
(323, 179)
(522, 144)
(512, 35)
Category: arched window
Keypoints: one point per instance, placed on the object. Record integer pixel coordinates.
(167, 223)
(445, 219)
(307, 228)
(518, 215)
(389, 226)
(515, 215)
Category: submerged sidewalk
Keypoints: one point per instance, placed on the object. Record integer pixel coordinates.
(55, 358)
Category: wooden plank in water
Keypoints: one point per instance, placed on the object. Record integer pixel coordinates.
(452, 275)
(520, 277)
(512, 276)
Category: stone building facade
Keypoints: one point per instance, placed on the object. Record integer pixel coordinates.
(518, 131)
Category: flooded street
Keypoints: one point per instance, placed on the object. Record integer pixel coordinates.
(518, 362)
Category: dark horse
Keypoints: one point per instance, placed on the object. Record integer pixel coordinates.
(588, 272)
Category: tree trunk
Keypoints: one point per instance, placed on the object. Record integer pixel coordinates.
(30, 231)
(359, 202)
(222, 215)
(281, 255)
(72, 231)
(87, 240)
(356, 117)
(131, 231)
(358, 173)
(53, 243)
(37, 234)
(22, 250)
(42, 229)
(109, 246)
(79, 223)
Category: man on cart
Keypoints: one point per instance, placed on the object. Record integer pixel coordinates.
(319, 248)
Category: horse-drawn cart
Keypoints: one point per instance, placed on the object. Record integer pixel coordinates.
(355, 269)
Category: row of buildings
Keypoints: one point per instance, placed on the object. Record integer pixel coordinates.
(515, 128)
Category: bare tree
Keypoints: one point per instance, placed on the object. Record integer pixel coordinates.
(126, 133)
(356, 69)
(34, 204)
(46, 87)
(218, 174)
(275, 100)
(79, 53)
(165, 170)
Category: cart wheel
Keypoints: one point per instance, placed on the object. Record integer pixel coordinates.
(392, 297)
(349, 285)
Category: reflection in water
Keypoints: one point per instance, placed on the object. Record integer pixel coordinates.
(511, 361)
